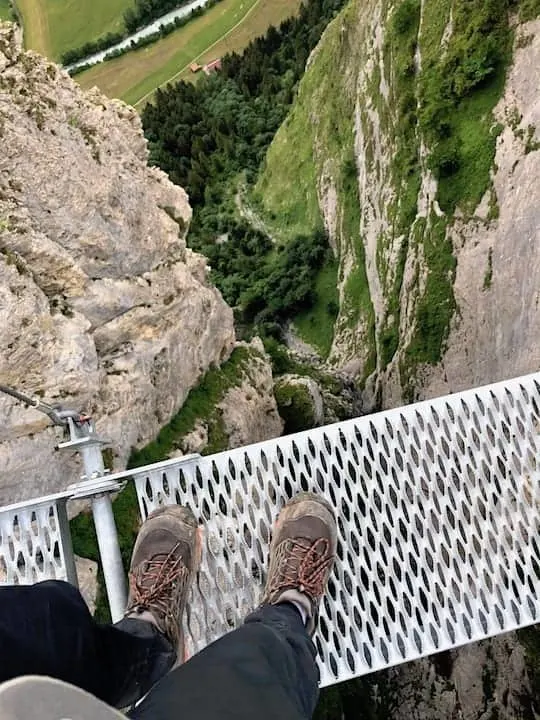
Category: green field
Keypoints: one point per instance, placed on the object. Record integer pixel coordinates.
(5, 10)
(53, 26)
(228, 26)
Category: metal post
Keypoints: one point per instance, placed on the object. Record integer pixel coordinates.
(98, 488)
(111, 559)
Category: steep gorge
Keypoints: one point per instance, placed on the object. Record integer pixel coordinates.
(416, 144)
(430, 201)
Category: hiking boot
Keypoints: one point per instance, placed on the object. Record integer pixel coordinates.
(302, 555)
(165, 558)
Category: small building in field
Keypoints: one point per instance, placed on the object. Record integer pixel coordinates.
(195, 67)
(213, 66)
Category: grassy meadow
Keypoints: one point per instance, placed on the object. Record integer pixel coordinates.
(53, 26)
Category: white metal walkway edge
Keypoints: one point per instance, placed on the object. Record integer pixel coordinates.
(438, 508)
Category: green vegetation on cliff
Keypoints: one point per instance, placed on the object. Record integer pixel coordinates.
(200, 406)
(399, 119)
(458, 89)
(316, 324)
(295, 406)
(435, 306)
(410, 105)
(314, 147)
(529, 10)
(290, 206)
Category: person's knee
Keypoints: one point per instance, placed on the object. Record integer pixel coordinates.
(57, 587)
(58, 597)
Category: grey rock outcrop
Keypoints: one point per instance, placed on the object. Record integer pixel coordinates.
(87, 575)
(102, 307)
(497, 283)
(247, 413)
(479, 681)
(300, 401)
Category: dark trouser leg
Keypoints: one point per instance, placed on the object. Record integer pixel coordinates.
(46, 629)
(265, 669)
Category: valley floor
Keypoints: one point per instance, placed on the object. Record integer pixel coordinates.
(5, 10)
(227, 27)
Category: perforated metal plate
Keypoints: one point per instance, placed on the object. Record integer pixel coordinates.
(35, 543)
(438, 513)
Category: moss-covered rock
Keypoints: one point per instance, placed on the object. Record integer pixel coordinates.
(299, 402)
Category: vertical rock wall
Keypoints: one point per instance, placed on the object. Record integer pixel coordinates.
(102, 306)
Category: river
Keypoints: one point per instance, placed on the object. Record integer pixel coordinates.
(143, 32)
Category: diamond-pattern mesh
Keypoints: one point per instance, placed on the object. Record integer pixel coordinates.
(438, 510)
(438, 517)
(35, 544)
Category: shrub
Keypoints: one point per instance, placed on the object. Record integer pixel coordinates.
(444, 158)
(404, 17)
(295, 406)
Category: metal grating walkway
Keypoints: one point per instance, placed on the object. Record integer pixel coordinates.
(438, 512)
(35, 543)
(438, 508)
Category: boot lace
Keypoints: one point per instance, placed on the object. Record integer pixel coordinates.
(153, 582)
(303, 565)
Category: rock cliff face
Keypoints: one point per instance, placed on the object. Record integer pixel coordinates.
(102, 306)
(497, 285)
(483, 681)
(247, 413)
(421, 158)
(249, 410)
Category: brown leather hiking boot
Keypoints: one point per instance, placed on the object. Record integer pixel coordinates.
(165, 558)
(302, 554)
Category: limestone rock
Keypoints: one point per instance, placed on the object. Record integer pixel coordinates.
(479, 681)
(498, 272)
(249, 411)
(87, 575)
(102, 306)
(194, 442)
(495, 326)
